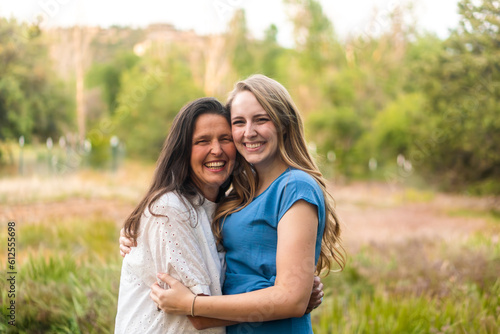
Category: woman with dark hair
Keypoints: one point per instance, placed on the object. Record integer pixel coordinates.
(277, 229)
(171, 224)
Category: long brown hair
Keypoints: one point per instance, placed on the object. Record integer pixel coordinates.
(277, 102)
(173, 168)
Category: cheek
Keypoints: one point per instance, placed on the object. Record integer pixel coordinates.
(230, 151)
(237, 135)
(271, 131)
(196, 157)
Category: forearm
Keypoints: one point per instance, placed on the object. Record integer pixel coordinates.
(272, 303)
(203, 323)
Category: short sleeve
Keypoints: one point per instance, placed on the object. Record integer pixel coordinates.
(171, 243)
(300, 187)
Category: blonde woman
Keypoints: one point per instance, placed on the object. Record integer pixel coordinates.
(277, 229)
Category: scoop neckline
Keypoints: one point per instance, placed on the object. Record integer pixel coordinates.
(289, 168)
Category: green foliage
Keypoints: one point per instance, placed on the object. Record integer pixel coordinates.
(153, 93)
(271, 52)
(63, 295)
(376, 95)
(71, 285)
(100, 155)
(107, 76)
(237, 41)
(33, 102)
(337, 132)
(314, 34)
(458, 139)
(392, 128)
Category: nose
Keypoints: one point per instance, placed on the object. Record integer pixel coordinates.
(250, 130)
(216, 148)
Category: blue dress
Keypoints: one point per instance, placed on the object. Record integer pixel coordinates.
(250, 238)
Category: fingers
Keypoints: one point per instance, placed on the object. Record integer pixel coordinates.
(317, 285)
(124, 240)
(124, 250)
(167, 279)
(317, 291)
(155, 298)
(316, 296)
(125, 243)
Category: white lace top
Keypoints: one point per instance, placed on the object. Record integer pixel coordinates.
(180, 244)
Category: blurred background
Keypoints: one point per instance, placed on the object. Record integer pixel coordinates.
(401, 107)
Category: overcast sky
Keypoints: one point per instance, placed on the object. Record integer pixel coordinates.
(208, 16)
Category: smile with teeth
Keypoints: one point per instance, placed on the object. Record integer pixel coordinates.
(253, 145)
(215, 164)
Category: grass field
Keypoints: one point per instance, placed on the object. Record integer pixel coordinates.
(418, 261)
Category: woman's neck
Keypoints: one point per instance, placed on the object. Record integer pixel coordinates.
(267, 174)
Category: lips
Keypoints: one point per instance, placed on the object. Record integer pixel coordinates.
(215, 165)
(253, 145)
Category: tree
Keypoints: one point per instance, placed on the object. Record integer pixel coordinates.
(239, 45)
(152, 93)
(314, 34)
(33, 101)
(459, 143)
(107, 76)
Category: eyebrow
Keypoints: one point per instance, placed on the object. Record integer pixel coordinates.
(210, 136)
(200, 137)
(254, 116)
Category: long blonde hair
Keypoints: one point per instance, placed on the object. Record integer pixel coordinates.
(278, 104)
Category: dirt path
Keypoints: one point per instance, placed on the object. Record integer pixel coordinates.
(378, 213)
(50, 212)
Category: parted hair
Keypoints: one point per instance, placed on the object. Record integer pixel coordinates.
(173, 168)
(278, 104)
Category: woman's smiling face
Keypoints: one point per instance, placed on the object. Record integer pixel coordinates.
(212, 154)
(254, 133)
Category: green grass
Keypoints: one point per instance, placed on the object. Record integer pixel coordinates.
(412, 195)
(469, 311)
(423, 286)
(67, 278)
(490, 215)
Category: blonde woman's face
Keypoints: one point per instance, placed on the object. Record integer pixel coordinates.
(254, 133)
